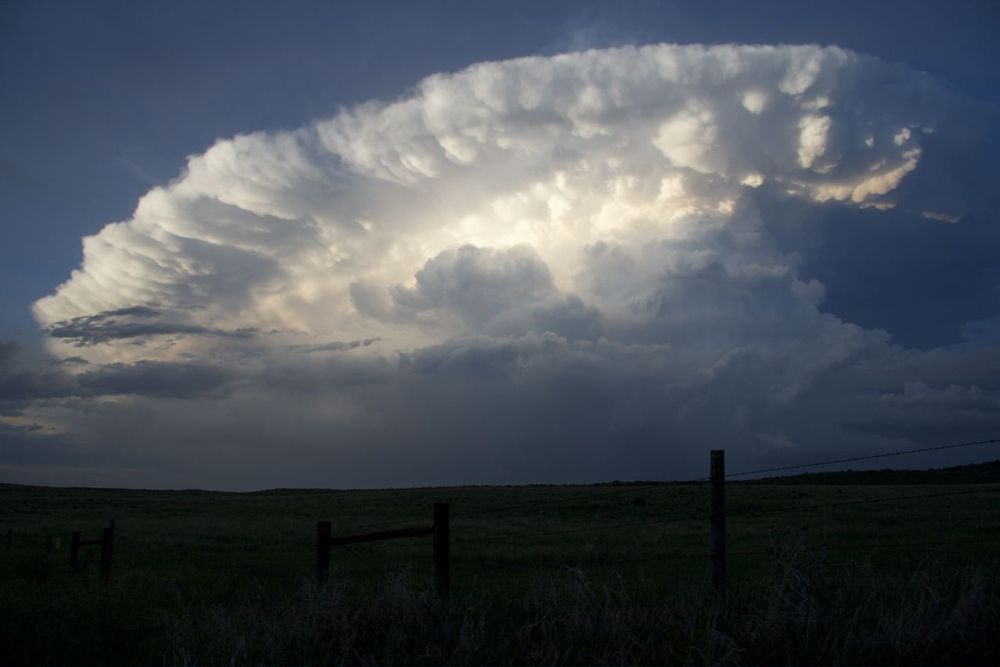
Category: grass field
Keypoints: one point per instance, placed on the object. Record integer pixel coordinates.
(208, 578)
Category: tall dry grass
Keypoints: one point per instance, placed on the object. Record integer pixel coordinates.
(802, 612)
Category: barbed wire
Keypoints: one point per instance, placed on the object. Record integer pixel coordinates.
(703, 517)
(361, 560)
(868, 457)
(860, 501)
(627, 487)
(667, 558)
(872, 546)
(685, 518)
(624, 488)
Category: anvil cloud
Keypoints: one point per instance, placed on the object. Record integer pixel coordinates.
(546, 269)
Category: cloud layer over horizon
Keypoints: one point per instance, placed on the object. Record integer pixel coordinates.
(592, 265)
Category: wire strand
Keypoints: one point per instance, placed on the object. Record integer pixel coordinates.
(361, 560)
(873, 546)
(864, 501)
(869, 457)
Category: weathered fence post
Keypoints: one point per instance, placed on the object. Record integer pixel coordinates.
(717, 532)
(74, 548)
(442, 566)
(322, 551)
(107, 544)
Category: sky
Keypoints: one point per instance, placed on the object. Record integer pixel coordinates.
(257, 245)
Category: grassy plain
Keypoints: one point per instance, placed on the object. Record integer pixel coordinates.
(205, 577)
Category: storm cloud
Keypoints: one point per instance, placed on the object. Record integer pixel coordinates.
(590, 265)
(136, 323)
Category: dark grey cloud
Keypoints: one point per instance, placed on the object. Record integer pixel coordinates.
(22, 382)
(73, 361)
(157, 379)
(8, 349)
(336, 346)
(137, 322)
(925, 270)
(921, 280)
(925, 282)
(32, 454)
(478, 282)
(538, 408)
(30, 445)
(500, 292)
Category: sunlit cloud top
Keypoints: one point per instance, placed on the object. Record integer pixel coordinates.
(320, 229)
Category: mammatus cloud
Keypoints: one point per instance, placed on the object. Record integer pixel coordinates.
(563, 268)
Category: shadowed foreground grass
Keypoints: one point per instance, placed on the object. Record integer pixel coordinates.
(799, 612)
(541, 575)
(797, 615)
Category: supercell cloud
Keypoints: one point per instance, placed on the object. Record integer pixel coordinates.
(574, 268)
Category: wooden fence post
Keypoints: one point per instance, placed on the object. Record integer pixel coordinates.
(322, 551)
(717, 532)
(442, 566)
(107, 544)
(74, 548)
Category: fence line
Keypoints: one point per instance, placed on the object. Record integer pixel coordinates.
(617, 490)
(702, 480)
(701, 517)
(627, 487)
(717, 515)
(631, 487)
(811, 508)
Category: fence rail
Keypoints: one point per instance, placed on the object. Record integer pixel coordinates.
(411, 531)
(439, 529)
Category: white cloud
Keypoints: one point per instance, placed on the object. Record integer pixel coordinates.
(587, 221)
(686, 138)
(812, 140)
(754, 101)
(271, 230)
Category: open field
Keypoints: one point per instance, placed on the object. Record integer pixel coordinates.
(203, 577)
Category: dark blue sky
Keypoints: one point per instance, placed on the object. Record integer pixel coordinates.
(99, 101)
